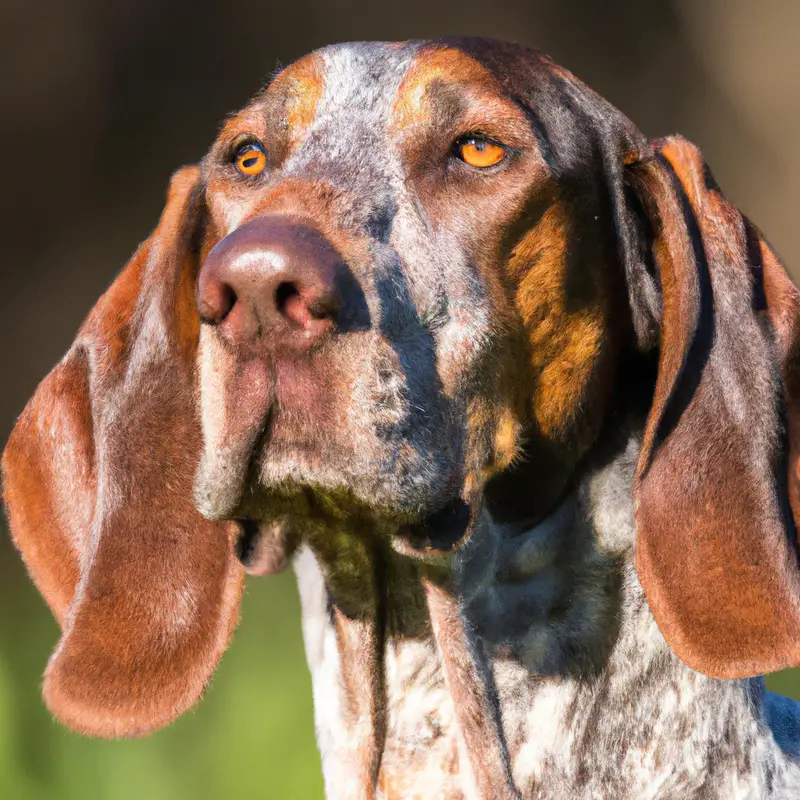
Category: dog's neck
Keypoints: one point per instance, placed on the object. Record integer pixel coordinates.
(578, 693)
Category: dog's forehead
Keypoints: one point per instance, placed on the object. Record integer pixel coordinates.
(364, 77)
(367, 84)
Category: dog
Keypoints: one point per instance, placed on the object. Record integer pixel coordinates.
(514, 390)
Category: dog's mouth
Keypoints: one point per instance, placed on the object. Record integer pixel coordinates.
(440, 532)
(299, 477)
(267, 547)
(289, 471)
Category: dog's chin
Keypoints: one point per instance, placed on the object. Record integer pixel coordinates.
(295, 492)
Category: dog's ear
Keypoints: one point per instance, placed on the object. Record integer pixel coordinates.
(716, 489)
(98, 476)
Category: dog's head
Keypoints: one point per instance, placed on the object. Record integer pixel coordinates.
(413, 279)
(406, 282)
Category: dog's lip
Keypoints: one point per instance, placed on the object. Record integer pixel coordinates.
(279, 443)
(264, 548)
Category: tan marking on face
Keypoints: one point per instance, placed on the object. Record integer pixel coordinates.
(480, 424)
(494, 438)
(448, 66)
(248, 120)
(566, 335)
(506, 438)
(299, 88)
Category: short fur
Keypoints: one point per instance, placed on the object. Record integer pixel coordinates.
(538, 481)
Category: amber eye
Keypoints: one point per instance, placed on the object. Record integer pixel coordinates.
(250, 159)
(478, 151)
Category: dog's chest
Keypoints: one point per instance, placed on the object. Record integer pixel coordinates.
(581, 719)
(421, 754)
(648, 727)
(419, 742)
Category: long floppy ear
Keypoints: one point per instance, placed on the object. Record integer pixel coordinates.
(98, 477)
(716, 489)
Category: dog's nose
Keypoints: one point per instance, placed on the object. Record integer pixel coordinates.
(274, 277)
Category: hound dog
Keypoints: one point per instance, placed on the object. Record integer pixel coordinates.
(514, 389)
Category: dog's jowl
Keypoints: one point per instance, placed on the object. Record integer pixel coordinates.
(514, 390)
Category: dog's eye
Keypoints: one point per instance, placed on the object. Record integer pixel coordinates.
(250, 159)
(478, 151)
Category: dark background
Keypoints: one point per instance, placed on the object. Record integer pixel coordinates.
(101, 101)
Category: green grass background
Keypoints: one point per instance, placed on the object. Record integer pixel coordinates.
(251, 737)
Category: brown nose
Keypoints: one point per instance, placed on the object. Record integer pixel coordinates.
(277, 278)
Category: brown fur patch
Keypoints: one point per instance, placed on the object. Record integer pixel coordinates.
(566, 320)
(712, 551)
(299, 89)
(432, 66)
(146, 589)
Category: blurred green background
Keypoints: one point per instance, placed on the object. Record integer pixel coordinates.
(102, 99)
(252, 736)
